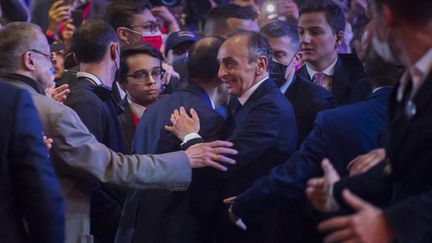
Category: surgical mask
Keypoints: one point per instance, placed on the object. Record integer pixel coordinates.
(153, 39)
(277, 73)
(382, 49)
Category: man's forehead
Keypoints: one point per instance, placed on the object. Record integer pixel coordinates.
(144, 17)
(242, 24)
(315, 19)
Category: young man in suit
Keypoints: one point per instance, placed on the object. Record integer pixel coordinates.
(79, 159)
(152, 210)
(261, 125)
(29, 189)
(140, 77)
(307, 98)
(321, 29)
(401, 184)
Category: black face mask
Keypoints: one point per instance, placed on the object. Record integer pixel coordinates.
(277, 72)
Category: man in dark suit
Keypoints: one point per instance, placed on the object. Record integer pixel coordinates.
(339, 134)
(307, 98)
(29, 188)
(321, 29)
(402, 183)
(97, 48)
(184, 216)
(261, 123)
(142, 91)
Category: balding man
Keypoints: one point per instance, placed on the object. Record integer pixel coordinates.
(78, 158)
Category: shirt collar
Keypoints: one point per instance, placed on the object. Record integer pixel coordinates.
(90, 76)
(329, 71)
(137, 109)
(421, 68)
(243, 98)
(283, 88)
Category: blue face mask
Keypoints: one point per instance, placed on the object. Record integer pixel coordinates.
(52, 71)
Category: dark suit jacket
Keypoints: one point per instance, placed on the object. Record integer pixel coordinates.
(349, 82)
(404, 181)
(29, 188)
(264, 133)
(307, 99)
(339, 134)
(127, 124)
(163, 216)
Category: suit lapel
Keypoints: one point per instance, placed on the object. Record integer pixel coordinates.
(341, 86)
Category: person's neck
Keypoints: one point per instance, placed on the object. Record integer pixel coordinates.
(324, 63)
(99, 70)
(414, 42)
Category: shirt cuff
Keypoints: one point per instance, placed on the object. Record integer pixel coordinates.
(189, 137)
(334, 204)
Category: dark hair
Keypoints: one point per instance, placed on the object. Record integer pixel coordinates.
(281, 28)
(219, 15)
(257, 44)
(381, 73)
(135, 49)
(332, 12)
(415, 11)
(15, 39)
(91, 40)
(119, 13)
(202, 60)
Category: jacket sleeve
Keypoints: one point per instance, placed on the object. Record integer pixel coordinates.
(76, 147)
(287, 180)
(36, 184)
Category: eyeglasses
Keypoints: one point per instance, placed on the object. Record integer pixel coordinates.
(144, 76)
(48, 56)
(153, 27)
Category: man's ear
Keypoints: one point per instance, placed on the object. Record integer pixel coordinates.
(262, 63)
(28, 61)
(113, 50)
(339, 38)
(122, 34)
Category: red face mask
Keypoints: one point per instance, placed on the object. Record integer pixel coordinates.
(154, 40)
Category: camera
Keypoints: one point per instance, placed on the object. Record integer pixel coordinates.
(168, 3)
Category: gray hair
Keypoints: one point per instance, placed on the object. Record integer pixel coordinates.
(15, 39)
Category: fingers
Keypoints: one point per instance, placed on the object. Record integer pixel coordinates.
(223, 150)
(340, 236)
(215, 165)
(194, 114)
(330, 173)
(225, 159)
(334, 223)
(229, 200)
(354, 201)
(220, 143)
(169, 128)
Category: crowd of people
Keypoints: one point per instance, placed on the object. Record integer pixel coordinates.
(216, 121)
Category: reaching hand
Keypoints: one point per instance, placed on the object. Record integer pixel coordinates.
(183, 124)
(210, 154)
(58, 94)
(67, 33)
(169, 72)
(57, 14)
(364, 162)
(234, 218)
(318, 189)
(368, 224)
(167, 17)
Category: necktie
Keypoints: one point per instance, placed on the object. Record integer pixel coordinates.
(322, 80)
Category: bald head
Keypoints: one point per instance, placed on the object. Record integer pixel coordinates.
(202, 61)
(17, 38)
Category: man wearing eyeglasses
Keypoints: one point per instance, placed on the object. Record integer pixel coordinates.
(134, 23)
(140, 77)
(79, 159)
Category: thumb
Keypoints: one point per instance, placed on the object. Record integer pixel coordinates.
(354, 201)
(329, 171)
(169, 128)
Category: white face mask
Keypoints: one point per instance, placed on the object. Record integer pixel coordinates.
(383, 49)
